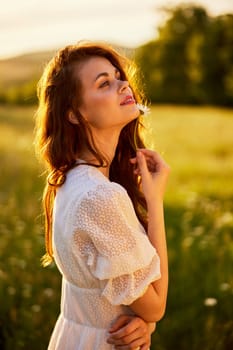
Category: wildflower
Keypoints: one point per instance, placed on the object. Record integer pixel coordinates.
(225, 220)
(11, 290)
(27, 290)
(48, 292)
(198, 231)
(210, 302)
(2, 274)
(36, 308)
(224, 286)
(22, 263)
(187, 242)
(143, 109)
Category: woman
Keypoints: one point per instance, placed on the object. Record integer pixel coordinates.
(103, 201)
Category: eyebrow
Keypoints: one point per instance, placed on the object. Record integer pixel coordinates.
(105, 74)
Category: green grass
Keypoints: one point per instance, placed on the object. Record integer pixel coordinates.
(197, 142)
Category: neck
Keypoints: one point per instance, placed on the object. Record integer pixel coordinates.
(106, 145)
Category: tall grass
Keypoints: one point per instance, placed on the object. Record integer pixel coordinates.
(197, 143)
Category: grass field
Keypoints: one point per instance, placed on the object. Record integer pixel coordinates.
(197, 142)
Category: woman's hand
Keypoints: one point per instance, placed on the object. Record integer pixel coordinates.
(154, 173)
(130, 332)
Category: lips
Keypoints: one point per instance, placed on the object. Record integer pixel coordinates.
(128, 100)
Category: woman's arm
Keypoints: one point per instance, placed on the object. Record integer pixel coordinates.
(154, 173)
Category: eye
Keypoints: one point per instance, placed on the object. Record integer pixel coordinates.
(105, 83)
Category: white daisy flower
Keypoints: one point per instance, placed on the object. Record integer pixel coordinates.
(143, 109)
(210, 302)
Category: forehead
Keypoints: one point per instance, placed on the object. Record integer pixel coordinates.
(92, 67)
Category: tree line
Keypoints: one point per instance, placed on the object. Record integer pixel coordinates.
(191, 60)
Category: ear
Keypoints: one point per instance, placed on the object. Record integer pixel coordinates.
(72, 117)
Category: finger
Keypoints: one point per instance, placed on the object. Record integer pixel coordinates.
(136, 172)
(152, 327)
(156, 161)
(130, 347)
(145, 347)
(120, 322)
(133, 160)
(128, 339)
(152, 155)
(136, 327)
(136, 344)
(142, 164)
(147, 151)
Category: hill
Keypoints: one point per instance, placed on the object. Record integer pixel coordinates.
(18, 70)
(19, 75)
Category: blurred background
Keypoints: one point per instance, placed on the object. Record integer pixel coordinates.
(185, 53)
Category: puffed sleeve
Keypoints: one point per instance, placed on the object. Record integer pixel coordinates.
(115, 245)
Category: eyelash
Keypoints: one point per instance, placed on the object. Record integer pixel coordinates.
(107, 83)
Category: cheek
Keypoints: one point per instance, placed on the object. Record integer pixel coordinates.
(98, 108)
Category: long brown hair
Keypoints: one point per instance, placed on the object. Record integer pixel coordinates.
(58, 141)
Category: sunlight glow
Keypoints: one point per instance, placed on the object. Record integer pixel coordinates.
(41, 24)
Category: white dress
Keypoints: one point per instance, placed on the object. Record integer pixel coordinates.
(104, 255)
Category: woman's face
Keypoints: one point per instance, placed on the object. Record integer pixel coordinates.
(107, 101)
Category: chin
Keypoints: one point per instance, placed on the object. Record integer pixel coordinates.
(136, 114)
(131, 119)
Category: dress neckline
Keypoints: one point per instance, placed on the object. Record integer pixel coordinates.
(92, 167)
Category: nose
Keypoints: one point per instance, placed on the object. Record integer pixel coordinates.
(124, 84)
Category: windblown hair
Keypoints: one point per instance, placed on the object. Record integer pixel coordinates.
(58, 141)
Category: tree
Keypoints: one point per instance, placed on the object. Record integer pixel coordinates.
(217, 58)
(191, 60)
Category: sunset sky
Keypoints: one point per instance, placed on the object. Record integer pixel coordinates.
(27, 26)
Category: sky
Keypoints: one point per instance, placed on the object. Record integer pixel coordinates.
(36, 25)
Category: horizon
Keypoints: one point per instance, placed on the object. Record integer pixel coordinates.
(121, 23)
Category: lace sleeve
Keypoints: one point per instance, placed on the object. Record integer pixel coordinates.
(115, 245)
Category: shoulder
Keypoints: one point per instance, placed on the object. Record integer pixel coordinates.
(107, 205)
(81, 179)
(107, 191)
(106, 194)
(88, 184)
